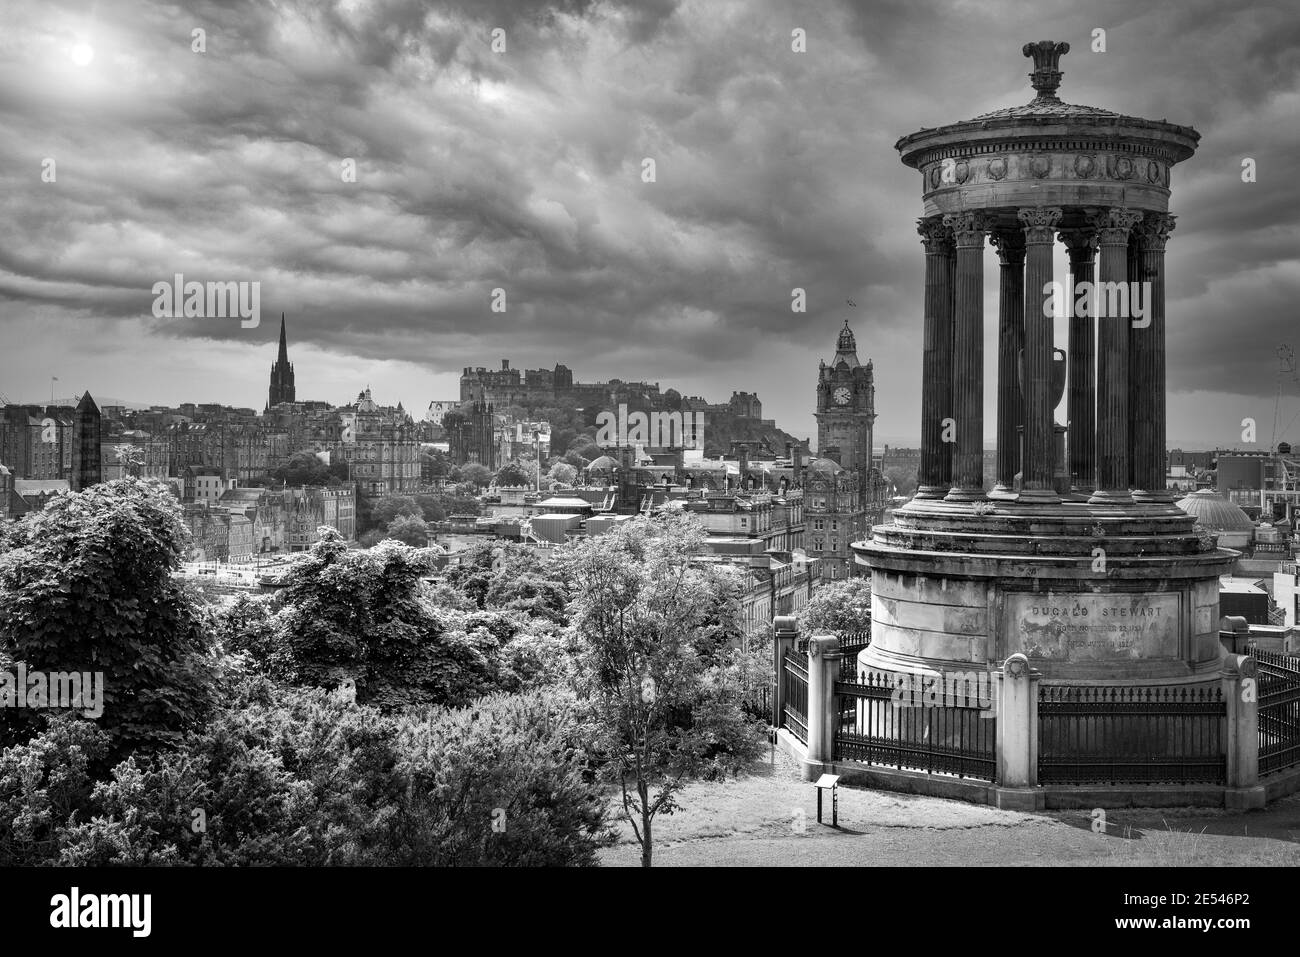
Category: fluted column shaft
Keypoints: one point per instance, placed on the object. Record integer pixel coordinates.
(1113, 226)
(1082, 363)
(935, 476)
(1010, 244)
(1036, 380)
(1147, 363)
(969, 230)
(950, 319)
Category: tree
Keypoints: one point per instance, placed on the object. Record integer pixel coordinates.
(302, 468)
(130, 458)
(297, 777)
(513, 473)
(410, 529)
(475, 474)
(655, 654)
(431, 507)
(838, 606)
(362, 615)
(902, 479)
(86, 585)
(562, 473)
(434, 464)
(390, 507)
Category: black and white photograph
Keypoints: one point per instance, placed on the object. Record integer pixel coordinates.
(570, 434)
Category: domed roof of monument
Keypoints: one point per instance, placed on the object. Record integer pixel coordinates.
(602, 464)
(1045, 115)
(1045, 79)
(1214, 511)
(829, 466)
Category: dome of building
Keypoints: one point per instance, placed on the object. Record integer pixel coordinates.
(829, 466)
(602, 464)
(1213, 511)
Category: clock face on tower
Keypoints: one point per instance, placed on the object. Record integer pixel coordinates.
(842, 396)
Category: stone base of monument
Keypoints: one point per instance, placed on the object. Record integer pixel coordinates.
(1089, 593)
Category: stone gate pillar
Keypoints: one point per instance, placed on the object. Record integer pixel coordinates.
(1017, 735)
(823, 666)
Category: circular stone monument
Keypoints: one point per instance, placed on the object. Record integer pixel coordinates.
(1078, 557)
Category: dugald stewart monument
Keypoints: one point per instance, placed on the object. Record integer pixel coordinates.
(1075, 577)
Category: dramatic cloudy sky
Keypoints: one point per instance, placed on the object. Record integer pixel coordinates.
(522, 170)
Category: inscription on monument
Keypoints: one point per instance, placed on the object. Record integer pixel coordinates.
(1065, 627)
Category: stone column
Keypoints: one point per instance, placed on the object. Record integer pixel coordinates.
(1082, 364)
(1112, 227)
(936, 364)
(1147, 364)
(1240, 685)
(1039, 466)
(1017, 735)
(950, 319)
(823, 666)
(968, 357)
(1010, 244)
(787, 633)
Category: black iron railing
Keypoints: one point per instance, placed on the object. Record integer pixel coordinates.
(1131, 735)
(1279, 711)
(932, 723)
(794, 694)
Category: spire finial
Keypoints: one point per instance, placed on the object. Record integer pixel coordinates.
(1047, 61)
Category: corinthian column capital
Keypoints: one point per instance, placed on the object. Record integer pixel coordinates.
(1039, 222)
(1010, 244)
(1081, 245)
(1113, 224)
(935, 236)
(1153, 232)
(969, 228)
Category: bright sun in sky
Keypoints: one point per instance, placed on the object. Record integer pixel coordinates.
(82, 54)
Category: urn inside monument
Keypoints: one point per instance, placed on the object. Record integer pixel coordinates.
(1057, 393)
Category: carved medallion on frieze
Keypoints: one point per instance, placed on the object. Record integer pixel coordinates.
(962, 172)
(1084, 165)
(1119, 167)
(934, 177)
(1154, 173)
(998, 167)
(1040, 166)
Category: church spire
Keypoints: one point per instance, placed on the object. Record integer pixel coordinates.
(282, 386)
(283, 357)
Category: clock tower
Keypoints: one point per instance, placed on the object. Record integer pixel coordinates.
(846, 408)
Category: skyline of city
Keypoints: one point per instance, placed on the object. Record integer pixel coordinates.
(421, 169)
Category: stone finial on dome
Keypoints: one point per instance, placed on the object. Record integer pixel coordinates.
(1047, 60)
